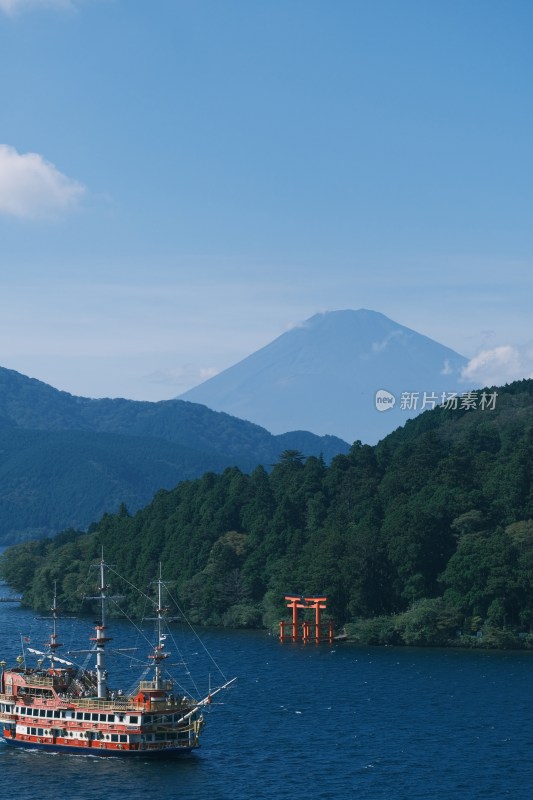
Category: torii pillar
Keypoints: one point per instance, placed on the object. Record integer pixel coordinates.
(295, 602)
(319, 604)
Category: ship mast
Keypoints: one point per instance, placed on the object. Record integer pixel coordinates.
(158, 655)
(101, 639)
(53, 644)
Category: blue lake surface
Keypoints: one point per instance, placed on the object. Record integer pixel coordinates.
(311, 722)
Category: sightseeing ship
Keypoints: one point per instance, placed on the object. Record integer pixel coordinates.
(60, 707)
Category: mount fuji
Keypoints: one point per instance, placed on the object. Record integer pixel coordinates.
(354, 374)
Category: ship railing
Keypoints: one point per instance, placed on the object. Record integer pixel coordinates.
(38, 680)
(151, 686)
(118, 704)
(168, 705)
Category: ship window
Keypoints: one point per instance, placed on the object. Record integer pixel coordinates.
(123, 738)
(79, 715)
(39, 731)
(134, 720)
(42, 712)
(33, 731)
(49, 713)
(86, 715)
(114, 737)
(94, 717)
(103, 717)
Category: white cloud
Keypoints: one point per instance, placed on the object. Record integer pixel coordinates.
(11, 7)
(378, 347)
(499, 365)
(32, 187)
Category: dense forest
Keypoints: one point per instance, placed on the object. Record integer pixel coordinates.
(64, 460)
(425, 538)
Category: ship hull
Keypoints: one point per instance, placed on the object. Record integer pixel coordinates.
(100, 752)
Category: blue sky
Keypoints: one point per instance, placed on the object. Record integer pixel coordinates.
(181, 181)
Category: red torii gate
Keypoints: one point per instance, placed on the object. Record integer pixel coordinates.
(308, 603)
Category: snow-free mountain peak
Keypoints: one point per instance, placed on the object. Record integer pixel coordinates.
(323, 375)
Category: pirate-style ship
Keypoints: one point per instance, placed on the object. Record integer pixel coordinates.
(60, 707)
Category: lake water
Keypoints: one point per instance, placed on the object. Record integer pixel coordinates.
(314, 722)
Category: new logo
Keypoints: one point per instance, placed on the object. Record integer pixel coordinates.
(384, 400)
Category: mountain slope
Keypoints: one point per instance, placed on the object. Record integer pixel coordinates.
(431, 531)
(65, 460)
(53, 480)
(323, 376)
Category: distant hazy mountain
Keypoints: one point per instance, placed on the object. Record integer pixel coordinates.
(323, 376)
(65, 460)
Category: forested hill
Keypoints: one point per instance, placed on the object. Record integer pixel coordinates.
(426, 537)
(65, 460)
